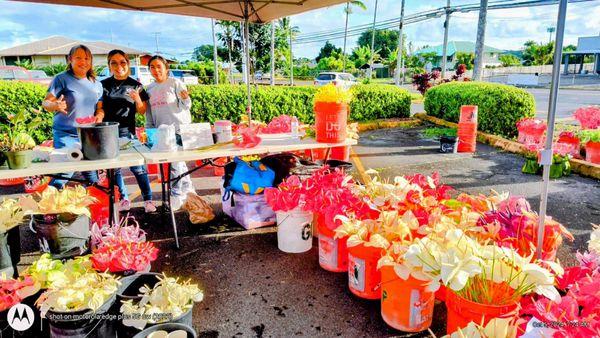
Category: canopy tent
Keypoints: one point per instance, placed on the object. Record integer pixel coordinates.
(256, 11)
(260, 11)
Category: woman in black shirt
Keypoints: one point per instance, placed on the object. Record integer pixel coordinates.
(123, 97)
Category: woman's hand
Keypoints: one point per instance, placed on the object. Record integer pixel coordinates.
(184, 95)
(135, 95)
(55, 105)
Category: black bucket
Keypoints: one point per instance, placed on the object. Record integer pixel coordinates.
(447, 144)
(168, 327)
(62, 235)
(83, 323)
(99, 141)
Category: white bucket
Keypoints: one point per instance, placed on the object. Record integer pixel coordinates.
(294, 231)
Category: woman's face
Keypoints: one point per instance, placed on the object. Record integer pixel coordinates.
(158, 70)
(81, 62)
(119, 66)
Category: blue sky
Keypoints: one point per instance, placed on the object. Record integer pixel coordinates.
(507, 29)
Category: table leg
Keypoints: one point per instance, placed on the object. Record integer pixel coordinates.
(168, 193)
(113, 213)
(163, 185)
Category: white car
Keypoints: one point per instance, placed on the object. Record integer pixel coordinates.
(343, 80)
(139, 73)
(188, 77)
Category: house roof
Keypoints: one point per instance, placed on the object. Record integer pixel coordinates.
(60, 45)
(587, 45)
(457, 46)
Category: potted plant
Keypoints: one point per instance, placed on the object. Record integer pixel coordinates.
(18, 143)
(61, 219)
(591, 139)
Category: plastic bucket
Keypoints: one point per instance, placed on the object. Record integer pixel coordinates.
(467, 137)
(153, 169)
(294, 234)
(405, 304)
(333, 252)
(18, 159)
(84, 323)
(129, 331)
(130, 285)
(330, 121)
(440, 294)
(461, 311)
(340, 153)
(9, 182)
(99, 141)
(364, 280)
(62, 235)
(592, 152)
(468, 114)
(167, 327)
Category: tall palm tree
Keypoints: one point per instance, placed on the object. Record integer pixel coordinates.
(227, 38)
(291, 32)
(348, 11)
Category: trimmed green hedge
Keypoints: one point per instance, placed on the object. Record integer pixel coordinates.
(211, 103)
(500, 106)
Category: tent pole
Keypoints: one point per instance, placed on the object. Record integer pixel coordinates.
(547, 152)
(247, 39)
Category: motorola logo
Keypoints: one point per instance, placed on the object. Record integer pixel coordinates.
(20, 317)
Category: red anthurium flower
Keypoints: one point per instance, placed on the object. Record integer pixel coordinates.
(249, 138)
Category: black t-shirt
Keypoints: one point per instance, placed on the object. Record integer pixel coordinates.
(118, 105)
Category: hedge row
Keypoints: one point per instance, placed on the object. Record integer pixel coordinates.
(499, 106)
(211, 103)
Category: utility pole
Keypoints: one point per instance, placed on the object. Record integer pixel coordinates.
(216, 70)
(272, 53)
(480, 43)
(550, 30)
(291, 56)
(400, 47)
(445, 52)
(156, 34)
(373, 42)
(345, 38)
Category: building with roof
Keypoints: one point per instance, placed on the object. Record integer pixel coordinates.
(491, 55)
(54, 50)
(586, 46)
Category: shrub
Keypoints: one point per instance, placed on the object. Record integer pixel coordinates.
(211, 103)
(18, 96)
(500, 106)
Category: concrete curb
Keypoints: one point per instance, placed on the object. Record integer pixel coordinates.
(581, 167)
(388, 123)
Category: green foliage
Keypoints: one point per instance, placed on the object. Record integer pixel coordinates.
(536, 54)
(437, 132)
(52, 70)
(328, 50)
(468, 59)
(386, 41)
(500, 106)
(509, 60)
(16, 97)
(362, 55)
(378, 101)
(205, 53)
(25, 64)
(589, 135)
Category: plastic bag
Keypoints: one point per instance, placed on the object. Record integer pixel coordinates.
(199, 210)
(165, 138)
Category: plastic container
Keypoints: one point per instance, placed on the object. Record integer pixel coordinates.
(340, 153)
(167, 327)
(468, 114)
(9, 182)
(294, 234)
(62, 235)
(462, 311)
(440, 294)
(364, 280)
(83, 323)
(467, 137)
(18, 159)
(405, 304)
(153, 169)
(250, 211)
(331, 120)
(333, 252)
(592, 152)
(99, 141)
(223, 131)
(447, 144)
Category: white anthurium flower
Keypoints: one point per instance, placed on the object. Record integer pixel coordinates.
(555, 267)
(457, 269)
(402, 271)
(500, 328)
(548, 291)
(371, 172)
(537, 275)
(497, 271)
(377, 241)
(410, 220)
(385, 260)
(424, 253)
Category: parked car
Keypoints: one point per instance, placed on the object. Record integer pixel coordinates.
(258, 75)
(343, 80)
(188, 77)
(139, 73)
(15, 73)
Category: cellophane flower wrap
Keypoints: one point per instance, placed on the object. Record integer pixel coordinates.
(531, 130)
(333, 94)
(71, 286)
(588, 117)
(289, 195)
(11, 214)
(170, 297)
(73, 200)
(278, 125)
(127, 231)
(13, 291)
(248, 137)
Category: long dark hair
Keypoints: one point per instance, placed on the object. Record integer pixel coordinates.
(123, 54)
(159, 58)
(91, 75)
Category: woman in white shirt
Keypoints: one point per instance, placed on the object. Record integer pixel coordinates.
(169, 104)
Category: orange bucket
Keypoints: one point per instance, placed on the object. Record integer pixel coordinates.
(467, 137)
(461, 312)
(7, 182)
(333, 252)
(592, 152)
(468, 114)
(154, 170)
(340, 153)
(405, 304)
(440, 294)
(364, 279)
(330, 121)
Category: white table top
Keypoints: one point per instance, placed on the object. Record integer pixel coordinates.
(266, 146)
(127, 158)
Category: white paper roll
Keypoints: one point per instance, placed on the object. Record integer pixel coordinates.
(66, 155)
(74, 155)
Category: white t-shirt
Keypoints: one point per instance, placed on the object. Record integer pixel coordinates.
(166, 105)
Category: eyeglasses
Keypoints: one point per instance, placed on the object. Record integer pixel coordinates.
(116, 64)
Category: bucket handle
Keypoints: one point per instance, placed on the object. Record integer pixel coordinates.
(31, 225)
(60, 225)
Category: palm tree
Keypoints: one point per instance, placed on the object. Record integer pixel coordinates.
(292, 32)
(348, 11)
(227, 38)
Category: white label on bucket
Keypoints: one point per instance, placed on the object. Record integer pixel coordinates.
(415, 309)
(356, 273)
(328, 251)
